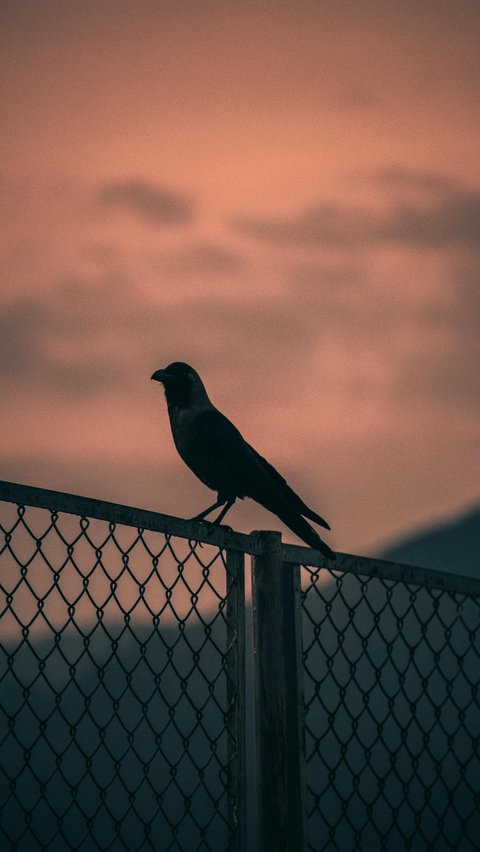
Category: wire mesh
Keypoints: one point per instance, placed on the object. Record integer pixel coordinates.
(392, 715)
(122, 715)
(116, 700)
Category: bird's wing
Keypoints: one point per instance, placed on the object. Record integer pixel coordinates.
(289, 493)
(218, 432)
(254, 475)
(233, 467)
(226, 455)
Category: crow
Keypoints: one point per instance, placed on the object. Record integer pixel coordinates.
(216, 452)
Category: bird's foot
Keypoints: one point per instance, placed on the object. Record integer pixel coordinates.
(212, 525)
(207, 524)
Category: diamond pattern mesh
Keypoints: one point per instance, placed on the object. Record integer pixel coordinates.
(114, 687)
(121, 723)
(392, 715)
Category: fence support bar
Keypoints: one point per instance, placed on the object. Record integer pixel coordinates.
(235, 669)
(279, 706)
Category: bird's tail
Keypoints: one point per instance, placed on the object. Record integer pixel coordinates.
(309, 513)
(302, 528)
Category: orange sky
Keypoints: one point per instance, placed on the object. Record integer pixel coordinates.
(286, 195)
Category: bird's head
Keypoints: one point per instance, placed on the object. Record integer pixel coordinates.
(182, 384)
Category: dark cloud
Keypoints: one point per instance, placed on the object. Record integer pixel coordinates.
(451, 218)
(400, 178)
(153, 204)
(326, 224)
(202, 259)
(31, 327)
(89, 336)
(100, 335)
(454, 221)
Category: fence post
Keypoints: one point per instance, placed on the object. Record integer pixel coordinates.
(235, 669)
(279, 709)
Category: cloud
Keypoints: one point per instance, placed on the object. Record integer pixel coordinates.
(398, 177)
(326, 224)
(454, 221)
(37, 342)
(368, 336)
(88, 336)
(203, 259)
(451, 218)
(153, 204)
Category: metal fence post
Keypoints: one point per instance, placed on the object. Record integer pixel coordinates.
(279, 710)
(235, 663)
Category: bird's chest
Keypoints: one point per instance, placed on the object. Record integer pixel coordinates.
(197, 451)
(191, 445)
(182, 421)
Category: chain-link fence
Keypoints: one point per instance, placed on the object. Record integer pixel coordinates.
(392, 702)
(123, 720)
(120, 686)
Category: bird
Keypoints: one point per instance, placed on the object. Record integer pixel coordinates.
(214, 449)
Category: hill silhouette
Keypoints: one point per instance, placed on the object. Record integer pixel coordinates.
(452, 545)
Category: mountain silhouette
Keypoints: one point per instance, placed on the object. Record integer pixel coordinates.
(452, 545)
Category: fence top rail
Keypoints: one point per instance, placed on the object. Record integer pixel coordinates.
(117, 513)
(223, 537)
(382, 569)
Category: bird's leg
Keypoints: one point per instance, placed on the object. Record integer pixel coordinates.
(206, 512)
(226, 508)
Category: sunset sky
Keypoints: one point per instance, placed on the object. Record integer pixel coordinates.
(285, 195)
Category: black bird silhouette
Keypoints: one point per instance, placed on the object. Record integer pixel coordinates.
(216, 452)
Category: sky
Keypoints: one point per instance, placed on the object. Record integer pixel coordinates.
(285, 195)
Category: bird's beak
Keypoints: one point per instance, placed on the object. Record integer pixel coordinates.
(160, 376)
